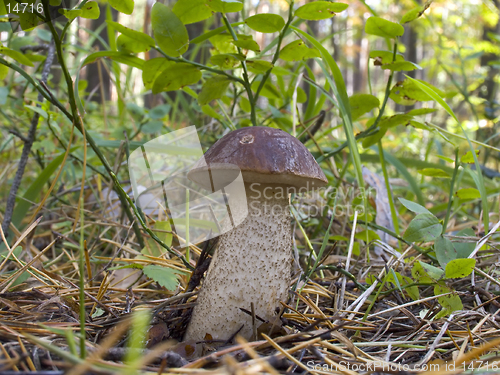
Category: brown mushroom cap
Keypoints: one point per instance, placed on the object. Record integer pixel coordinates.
(264, 155)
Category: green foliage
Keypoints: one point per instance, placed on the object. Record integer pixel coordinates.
(384, 28)
(191, 11)
(170, 33)
(166, 277)
(414, 207)
(458, 268)
(424, 227)
(361, 104)
(175, 76)
(213, 88)
(265, 23)
(319, 10)
(123, 6)
(297, 50)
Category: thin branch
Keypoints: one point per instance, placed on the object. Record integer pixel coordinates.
(28, 144)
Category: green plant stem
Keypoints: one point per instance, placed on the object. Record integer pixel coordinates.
(375, 298)
(246, 78)
(394, 214)
(387, 90)
(276, 55)
(452, 187)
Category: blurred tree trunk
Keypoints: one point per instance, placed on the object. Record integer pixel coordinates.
(488, 88)
(359, 73)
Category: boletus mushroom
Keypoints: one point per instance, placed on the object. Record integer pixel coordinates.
(253, 261)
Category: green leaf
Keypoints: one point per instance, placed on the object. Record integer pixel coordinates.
(223, 43)
(459, 268)
(297, 50)
(120, 57)
(411, 15)
(395, 120)
(425, 273)
(384, 57)
(399, 66)
(361, 104)
(91, 10)
(162, 229)
(434, 172)
(133, 34)
(38, 110)
(420, 111)
(28, 21)
(411, 290)
(372, 235)
(170, 33)
(384, 28)
(15, 55)
(176, 75)
(71, 13)
(206, 109)
(248, 44)
(152, 127)
(160, 111)
(259, 66)
(166, 277)
(213, 88)
(373, 139)
(468, 193)
(408, 92)
(319, 10)
(226, 6)
(33, 193)
(301, 94)
(123, 6)
(445, 252)
(265, 22)
(152, 69)
(4, 70)
(245, 104)
(415, 13)
(423, 228)
(450, 302)
(126, 44)
(191, 11)
(226, 60)
(468, 157)
(268, 90)
(464, 249)
(414, 207)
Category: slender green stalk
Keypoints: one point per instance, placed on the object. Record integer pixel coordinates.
(394, 214)
(387, 90)
(276, 54)
(246, 78)
(452, 187)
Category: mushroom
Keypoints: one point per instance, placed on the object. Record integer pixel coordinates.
(253, 261)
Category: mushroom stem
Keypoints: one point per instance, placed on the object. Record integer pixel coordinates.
(252, 264)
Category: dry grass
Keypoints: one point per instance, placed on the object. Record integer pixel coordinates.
(330, 324)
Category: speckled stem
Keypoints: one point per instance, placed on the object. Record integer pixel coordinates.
(252, 264)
